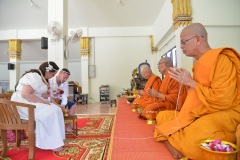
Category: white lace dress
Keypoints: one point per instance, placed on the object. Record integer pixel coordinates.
(50, 130)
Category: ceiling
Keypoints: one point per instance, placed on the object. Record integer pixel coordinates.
(20, 14)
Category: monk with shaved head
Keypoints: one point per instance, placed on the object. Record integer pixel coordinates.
(212, 107)
(170, 96)
(153, 82)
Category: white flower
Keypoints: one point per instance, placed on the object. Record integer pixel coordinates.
(49, 68)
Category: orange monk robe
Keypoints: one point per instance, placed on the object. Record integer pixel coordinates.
(212, 111)
(154, 82)
(170, 89)
(238, 140)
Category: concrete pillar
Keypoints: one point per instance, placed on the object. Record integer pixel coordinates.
(58, 12)
(14, 50)
(85, 50)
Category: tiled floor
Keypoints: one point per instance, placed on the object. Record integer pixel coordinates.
(95, 109)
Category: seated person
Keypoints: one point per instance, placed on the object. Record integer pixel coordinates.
(212, 107)
(59, 89)
(153, 82)
(168, 96)
(32, 88)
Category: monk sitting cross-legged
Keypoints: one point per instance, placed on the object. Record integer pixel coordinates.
(168, 96)
(212, 107)
(153, 81)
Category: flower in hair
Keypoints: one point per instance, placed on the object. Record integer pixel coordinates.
(49, 68)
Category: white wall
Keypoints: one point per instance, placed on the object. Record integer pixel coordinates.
(4, 73)
(163, 23)
(3, 51)
(222, 21)
(224, 36)
(163, 31)
(216, 12)
(115, 58)
(75, 69)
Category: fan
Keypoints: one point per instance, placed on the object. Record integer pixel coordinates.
(55, 30)
(75, 36)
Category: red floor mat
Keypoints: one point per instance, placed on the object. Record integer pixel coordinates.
(132, 137)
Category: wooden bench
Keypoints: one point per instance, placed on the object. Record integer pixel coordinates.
(10, 120)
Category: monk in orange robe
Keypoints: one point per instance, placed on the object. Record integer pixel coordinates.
(168, 96)
(153, 81)
(212, 107)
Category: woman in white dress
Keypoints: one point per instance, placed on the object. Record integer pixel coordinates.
(33, 88)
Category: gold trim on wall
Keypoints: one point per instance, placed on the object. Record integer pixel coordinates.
(14, 56)
(182, 13)
(84, 54)
(153, 48)
(14, 48)
(84, 46)
(14, 45)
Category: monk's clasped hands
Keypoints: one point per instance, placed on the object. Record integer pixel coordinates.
(177, 73)
(152, 92)
(182, 75)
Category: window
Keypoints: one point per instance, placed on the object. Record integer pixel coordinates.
(172, 54)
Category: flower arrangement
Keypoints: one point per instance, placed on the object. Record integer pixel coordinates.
(61, 91)
(134, 75)
(49, 68)
(135, 72)
(217, 145)
(9, 91)
(58, 92)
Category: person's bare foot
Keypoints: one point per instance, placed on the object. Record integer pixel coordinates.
(59, 149)
(68, 127)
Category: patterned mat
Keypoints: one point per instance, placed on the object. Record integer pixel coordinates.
(95, 126)
(92, 142)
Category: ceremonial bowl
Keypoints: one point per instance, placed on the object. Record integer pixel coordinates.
(151, 116)
(130, 99)
(217, 155)
(134, 107)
